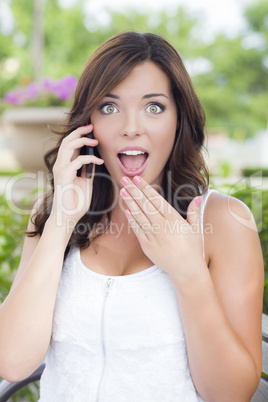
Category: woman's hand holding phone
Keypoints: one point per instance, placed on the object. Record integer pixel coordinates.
(73, 190)
(87, 150)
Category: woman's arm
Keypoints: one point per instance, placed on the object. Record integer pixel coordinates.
(26, 314)
(221, 308)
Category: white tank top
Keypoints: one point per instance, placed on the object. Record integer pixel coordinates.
(117, 338)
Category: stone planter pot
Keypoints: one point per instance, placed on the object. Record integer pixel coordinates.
(30, 136)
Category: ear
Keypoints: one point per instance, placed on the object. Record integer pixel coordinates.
(193, 211)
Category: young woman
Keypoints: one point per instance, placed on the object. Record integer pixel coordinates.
(139, 283)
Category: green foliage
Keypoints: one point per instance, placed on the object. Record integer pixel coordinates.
(234, 92)
(256, 15)
(12, 226)
(226, 169)
(68, 44)
(257, 171)
(18, 43)
(30, 393)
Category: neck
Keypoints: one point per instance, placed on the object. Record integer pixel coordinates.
(119, 237)
(120, 229)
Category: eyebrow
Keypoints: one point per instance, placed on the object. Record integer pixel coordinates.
(144, 97)
(111, 96)
(154, 95)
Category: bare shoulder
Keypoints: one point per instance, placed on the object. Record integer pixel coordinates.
(232, 225)
(229, 212)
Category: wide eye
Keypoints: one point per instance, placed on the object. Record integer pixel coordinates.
(108, 108)
(155, 108)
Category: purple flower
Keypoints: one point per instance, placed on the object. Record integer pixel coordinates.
(16, 97)
(32, 91)
(70, 81)
(46, 84)
(47, 88)
(11, 97)
(64, 94)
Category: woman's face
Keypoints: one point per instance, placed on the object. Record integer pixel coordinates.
(136, 123)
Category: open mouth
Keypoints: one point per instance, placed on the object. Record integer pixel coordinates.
(132, 162)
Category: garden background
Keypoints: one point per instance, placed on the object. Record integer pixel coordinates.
(52, 39)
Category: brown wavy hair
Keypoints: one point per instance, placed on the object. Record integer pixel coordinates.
(185, 174)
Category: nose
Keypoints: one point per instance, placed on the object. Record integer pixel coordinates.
(132, 125)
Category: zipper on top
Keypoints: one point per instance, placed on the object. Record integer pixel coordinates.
(109, 283)
(107, 290)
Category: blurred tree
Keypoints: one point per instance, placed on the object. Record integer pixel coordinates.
(71, 35)
(234, 93)
(38, 39)
(230, 74)
(65, 40)
(15, 59)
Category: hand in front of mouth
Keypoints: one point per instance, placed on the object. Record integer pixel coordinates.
(164, 235)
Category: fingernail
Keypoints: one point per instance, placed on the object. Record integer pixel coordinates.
(198, 201)
(136, 179)
(124, 180)
(123, 192)
(128, 213)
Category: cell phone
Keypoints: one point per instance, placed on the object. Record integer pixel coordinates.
(86, 150)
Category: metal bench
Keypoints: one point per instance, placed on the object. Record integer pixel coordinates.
(7, 389)
(261, 395)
